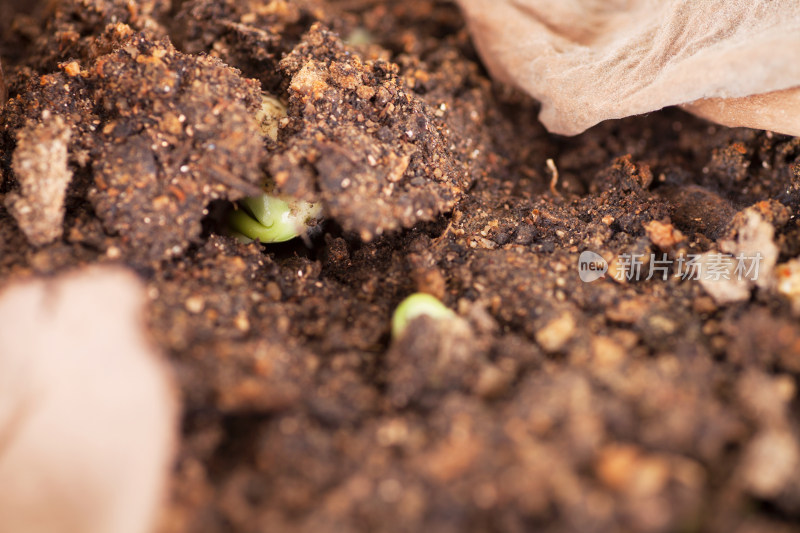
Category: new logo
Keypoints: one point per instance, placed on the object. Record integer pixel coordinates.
(591, 266)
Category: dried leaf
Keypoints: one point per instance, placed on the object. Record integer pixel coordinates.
(592, 60)
(88, 419)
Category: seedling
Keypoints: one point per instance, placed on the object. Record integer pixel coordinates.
(267, 218)
(416, 305)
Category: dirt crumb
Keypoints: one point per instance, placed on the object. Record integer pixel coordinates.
(556, 333)
(40, 168)
(770, 461)
(663, 234)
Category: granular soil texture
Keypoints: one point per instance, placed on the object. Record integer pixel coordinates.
(549, 404)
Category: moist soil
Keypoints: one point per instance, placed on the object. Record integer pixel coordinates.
(550, 404)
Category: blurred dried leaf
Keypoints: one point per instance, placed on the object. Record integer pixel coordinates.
(88, 416)
(592, 60)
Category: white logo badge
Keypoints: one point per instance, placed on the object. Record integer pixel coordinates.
(591, 266)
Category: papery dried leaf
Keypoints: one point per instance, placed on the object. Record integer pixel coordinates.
(88, 414)
(592, 60)
(777, 111)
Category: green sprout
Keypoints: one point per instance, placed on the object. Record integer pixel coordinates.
(267, 218)
(414, 306)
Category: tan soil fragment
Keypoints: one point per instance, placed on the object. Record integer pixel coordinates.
(40, 166)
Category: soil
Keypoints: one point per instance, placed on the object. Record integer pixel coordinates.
(551, 405)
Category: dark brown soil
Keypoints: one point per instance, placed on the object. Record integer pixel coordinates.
(559, 406)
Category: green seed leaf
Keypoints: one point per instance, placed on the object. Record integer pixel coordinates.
(416, 305)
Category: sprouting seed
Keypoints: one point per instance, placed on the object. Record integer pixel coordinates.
(267, 218)
(416, 305)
